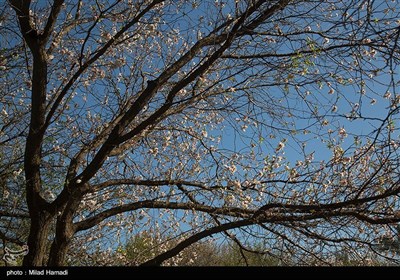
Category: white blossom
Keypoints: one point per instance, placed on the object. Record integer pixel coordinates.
(16, 173)
(342, 132)
(6, 194)
(280, 146)
(387, 95)
(4, 112)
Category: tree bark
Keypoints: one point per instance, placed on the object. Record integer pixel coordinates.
(37, 240)
(40, 217)
(59, 247)
(65, 230)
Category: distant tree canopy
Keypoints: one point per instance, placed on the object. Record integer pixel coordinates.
(261, 122)
(145, 245)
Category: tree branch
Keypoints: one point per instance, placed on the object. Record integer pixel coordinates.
(51, 21)
(94, 220)
(21, 8)
(292, 54)
(14, 215)
(156, 261)
(135, 182)
(193, 239)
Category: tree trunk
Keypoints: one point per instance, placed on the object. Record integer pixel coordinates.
(59, 247)
(37, 240)
(65, 231)
(58, 251)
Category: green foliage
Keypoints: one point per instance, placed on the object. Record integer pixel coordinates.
(139, 248)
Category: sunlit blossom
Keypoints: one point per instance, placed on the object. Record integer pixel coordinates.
(280, 146)
(342, 132)
(387, 95)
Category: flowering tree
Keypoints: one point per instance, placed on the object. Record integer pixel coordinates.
(273, 121)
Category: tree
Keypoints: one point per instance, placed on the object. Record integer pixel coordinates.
(247, 119)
